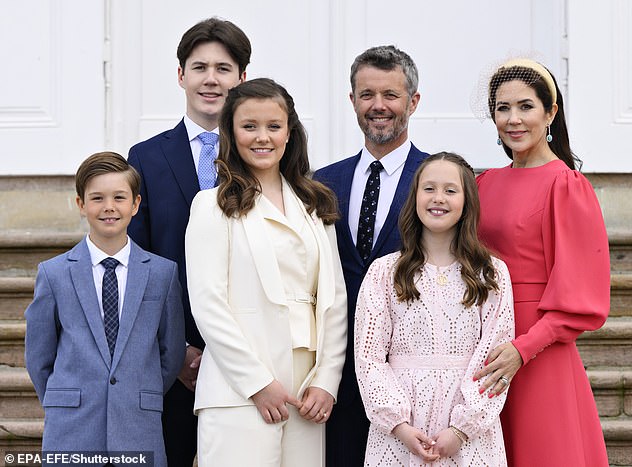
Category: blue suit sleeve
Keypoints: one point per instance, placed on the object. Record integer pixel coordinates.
(41, 333)
(171, 333)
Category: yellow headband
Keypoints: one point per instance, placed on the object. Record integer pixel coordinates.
(539, 69)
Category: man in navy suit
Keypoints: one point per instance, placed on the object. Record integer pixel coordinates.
(384, 95)
(212, 56)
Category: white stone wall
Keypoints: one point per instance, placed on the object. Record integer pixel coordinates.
(80, 76)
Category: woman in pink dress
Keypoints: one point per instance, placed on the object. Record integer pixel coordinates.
(427, 317)
(542, 217)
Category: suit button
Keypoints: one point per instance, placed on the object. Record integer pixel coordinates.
(112, 380)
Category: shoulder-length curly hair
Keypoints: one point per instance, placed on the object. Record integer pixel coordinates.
(477, 269)
(238, 187)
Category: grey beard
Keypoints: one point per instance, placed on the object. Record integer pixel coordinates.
(383, 138)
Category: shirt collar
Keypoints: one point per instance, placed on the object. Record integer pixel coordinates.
(97, 255)
(193, 129)
(391, 161)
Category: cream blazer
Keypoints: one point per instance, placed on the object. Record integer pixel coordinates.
(239, 305)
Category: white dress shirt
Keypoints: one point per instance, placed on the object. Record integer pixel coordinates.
(393, 164)
(193, 130)
(98, 270)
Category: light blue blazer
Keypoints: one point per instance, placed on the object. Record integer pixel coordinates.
(93, 402)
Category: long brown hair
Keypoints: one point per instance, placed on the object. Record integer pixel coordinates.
(238, 187)
(477, 269)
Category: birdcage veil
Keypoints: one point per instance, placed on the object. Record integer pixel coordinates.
(526, 67)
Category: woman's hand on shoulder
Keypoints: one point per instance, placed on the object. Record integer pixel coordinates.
(316, 405)
(416, 441)
(271, 400)
(502, 364)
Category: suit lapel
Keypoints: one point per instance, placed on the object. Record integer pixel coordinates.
(177, 150)
(326, 285)
(413, 160)
(83, 282)
(263, 255)
(343, 192)
(137, 277)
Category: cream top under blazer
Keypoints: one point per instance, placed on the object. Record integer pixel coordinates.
(240, 307)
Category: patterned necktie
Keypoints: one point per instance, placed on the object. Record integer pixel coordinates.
(366, 225)
(207, 174)
(110, 302)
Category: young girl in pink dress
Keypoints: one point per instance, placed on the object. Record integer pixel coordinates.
(426, 319)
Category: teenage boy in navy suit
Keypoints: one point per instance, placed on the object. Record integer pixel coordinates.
(384, 95)
(105, 330)
(213, 55)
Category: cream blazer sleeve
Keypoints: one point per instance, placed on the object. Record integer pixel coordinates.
(332, 311)
(207, 247)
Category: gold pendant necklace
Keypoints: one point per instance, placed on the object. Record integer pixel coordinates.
(442, 278)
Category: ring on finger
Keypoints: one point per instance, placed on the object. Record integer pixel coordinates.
(503, 379)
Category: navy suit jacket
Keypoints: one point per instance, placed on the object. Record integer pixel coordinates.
(338, 176)
(169, 183)
(94, 402)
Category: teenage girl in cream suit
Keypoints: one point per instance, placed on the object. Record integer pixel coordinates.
(267, 291)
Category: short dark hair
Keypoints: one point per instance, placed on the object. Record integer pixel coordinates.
(105, 163)
(216, 30)
(387, 57)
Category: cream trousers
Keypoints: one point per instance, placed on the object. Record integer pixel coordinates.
(238, 436)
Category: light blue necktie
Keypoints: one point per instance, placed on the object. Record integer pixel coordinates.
(207, 174)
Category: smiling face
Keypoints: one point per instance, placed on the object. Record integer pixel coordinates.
(108, 205)
(208, 74)
(521, 119)
(261, 132)
(383, 107)
(440, 198)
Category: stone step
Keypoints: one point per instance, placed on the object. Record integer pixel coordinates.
(618, 435)
(17, 395)
(620, 252)
(22, 251)
(15, 295)
(621, 294)
(12, 334)
(612, 390)
(609, 346)
(15, 429)
(20, 435)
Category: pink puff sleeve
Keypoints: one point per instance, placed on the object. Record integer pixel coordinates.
(477, 414)
(577, 293)
(385, 401)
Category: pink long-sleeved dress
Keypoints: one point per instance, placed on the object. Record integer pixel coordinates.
(415, 361)
(546, 224)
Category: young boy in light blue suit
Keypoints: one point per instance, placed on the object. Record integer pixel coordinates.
(105, 330)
